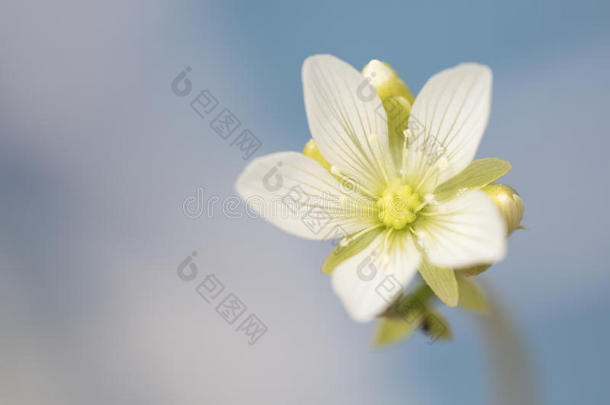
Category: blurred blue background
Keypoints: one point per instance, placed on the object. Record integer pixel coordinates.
(97, 156)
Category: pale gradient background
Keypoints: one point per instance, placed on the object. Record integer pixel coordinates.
(97, 155)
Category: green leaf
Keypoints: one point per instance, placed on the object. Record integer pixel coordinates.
(342, 253)
(472, 296)
(476, 175)
(442, 281)
(436, 326)
(393, 330)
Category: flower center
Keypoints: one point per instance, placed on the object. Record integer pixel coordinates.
(398, 205)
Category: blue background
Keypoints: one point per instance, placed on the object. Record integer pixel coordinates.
(97, 156)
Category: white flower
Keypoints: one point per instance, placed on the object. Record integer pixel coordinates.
(419, 210)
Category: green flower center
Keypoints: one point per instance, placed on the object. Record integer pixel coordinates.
(398, 205)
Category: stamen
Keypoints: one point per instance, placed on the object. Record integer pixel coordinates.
(348, 239)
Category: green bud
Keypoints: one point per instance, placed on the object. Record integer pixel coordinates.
(511, 207)
(397, 100)
(508, 202)
(386, 81)
(397, 110)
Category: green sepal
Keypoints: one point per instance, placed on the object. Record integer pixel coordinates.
(442, 281)
(343, 252)
(472, 296)
(476, 175)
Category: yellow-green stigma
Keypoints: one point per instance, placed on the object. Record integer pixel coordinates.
(398, 205)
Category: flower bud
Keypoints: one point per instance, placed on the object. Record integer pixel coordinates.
(397, 110)
(508, 202)
(511, 207)
(386, 81)
(396, 98)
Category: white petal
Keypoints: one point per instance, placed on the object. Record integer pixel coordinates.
(370, 281)
(300, 197)
(464, 231)
(347, 120)
(448, 118)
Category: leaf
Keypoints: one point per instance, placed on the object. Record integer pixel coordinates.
(436, 326)
(392, 330)
(343, 252)
(476, 175)
(472, 296)
(442, 281)
(403, 317)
